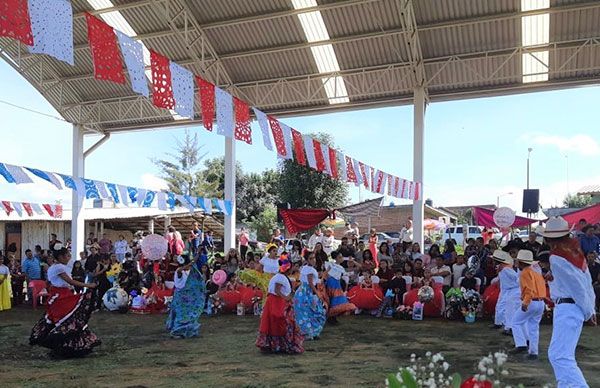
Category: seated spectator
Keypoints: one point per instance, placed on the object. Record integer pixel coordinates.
(449, 253)
(384, 253)
(441, 269)
(418, 270)
(395, 291)
(415, 252)
(458, 270)
(469, 282)
(407, 268)
(594, 268)
(385, 274)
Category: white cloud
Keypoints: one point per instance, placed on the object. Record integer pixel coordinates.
(152, 182)
(581, 144)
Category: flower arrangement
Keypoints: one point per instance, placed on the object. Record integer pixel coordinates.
(256, 305)
(434, 372)
(404, 312)
(454, 303)
(215, 305)
(471, 305)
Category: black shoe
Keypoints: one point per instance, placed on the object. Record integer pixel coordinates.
(532, 357)
(332, 320)
(495, 327)
(507, 332)
(518, 350)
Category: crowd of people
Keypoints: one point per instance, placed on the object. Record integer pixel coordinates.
(307, 284)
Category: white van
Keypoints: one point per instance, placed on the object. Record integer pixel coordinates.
(458, 233)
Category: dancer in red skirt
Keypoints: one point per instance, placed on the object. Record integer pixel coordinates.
(278, 331)
(64, 328)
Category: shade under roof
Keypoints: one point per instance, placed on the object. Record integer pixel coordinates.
(258, 51)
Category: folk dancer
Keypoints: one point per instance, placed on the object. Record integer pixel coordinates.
(573, 295)
(526, 321)
(509, 298)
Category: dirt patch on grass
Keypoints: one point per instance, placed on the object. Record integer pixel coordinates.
(136, 352)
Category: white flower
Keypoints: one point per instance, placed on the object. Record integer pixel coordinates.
(413, 355)
(441, 376)
(497, 382)
(445, 365)
(423, 369)
(490, 372)
(504, 373)
(428, 354)
(482, 367)
(431, 374)
(431, 366)
(437, 357)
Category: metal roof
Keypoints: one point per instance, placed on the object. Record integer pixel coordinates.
(591, 189)
(258, 51)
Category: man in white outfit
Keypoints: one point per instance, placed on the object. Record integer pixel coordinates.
(573, 295)
(510, 293)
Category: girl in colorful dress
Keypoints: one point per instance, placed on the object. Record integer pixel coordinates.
(5, 286)
(310, 311)
(338, 303)
(278, 331)
(373, 246)
(188, 299)
(64, 328)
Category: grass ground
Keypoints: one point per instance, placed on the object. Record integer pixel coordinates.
(360, 351)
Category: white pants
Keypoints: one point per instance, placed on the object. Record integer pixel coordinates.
(526, 326)
(567, 325)
(513, 304)
(500, 313)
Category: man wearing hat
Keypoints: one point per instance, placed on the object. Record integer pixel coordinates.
(573, 295)
(526, 322)
(509, 291)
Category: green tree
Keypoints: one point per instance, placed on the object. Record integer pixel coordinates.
(264, 223)
(181, 169)
(214, 174)
(259, 191)
(304, 187)
(577, 201)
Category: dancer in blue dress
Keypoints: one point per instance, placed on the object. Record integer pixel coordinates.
(188, 300)
(310, 311)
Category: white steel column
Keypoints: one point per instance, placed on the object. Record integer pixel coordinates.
(151, 225)
(77, 217)
(418, 151)
(229, 236)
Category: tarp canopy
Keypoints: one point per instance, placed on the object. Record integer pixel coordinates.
(485, 217)
(591, 214)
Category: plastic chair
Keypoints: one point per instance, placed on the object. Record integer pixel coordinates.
(408, 281)
(38, 290)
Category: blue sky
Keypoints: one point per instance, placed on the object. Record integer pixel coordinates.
(475, 149)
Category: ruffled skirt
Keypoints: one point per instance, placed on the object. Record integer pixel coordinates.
(309, 311)
(64, 329)
(278, 331)
(338, 303)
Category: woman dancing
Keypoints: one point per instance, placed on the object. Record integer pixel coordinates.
(338, 303)
(278, 331)
(310, 311)
(64, 328)
(265, 269)
(188, 299)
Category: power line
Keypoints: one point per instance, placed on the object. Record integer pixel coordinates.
(32, 111)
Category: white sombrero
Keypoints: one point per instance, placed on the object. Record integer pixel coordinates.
(502, 257)
(556, 227)
(525, 256)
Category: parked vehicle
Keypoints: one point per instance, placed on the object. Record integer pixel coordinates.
(457, 232)
(381, 237)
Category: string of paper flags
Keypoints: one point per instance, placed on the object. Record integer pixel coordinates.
(119, 194)
(28, 208)
(46, 26)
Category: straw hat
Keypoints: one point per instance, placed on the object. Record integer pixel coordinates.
(556, 227)
(502, 257)
(525, 256)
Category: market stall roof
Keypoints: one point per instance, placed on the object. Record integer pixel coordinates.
(291, 57)
(133, 218)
